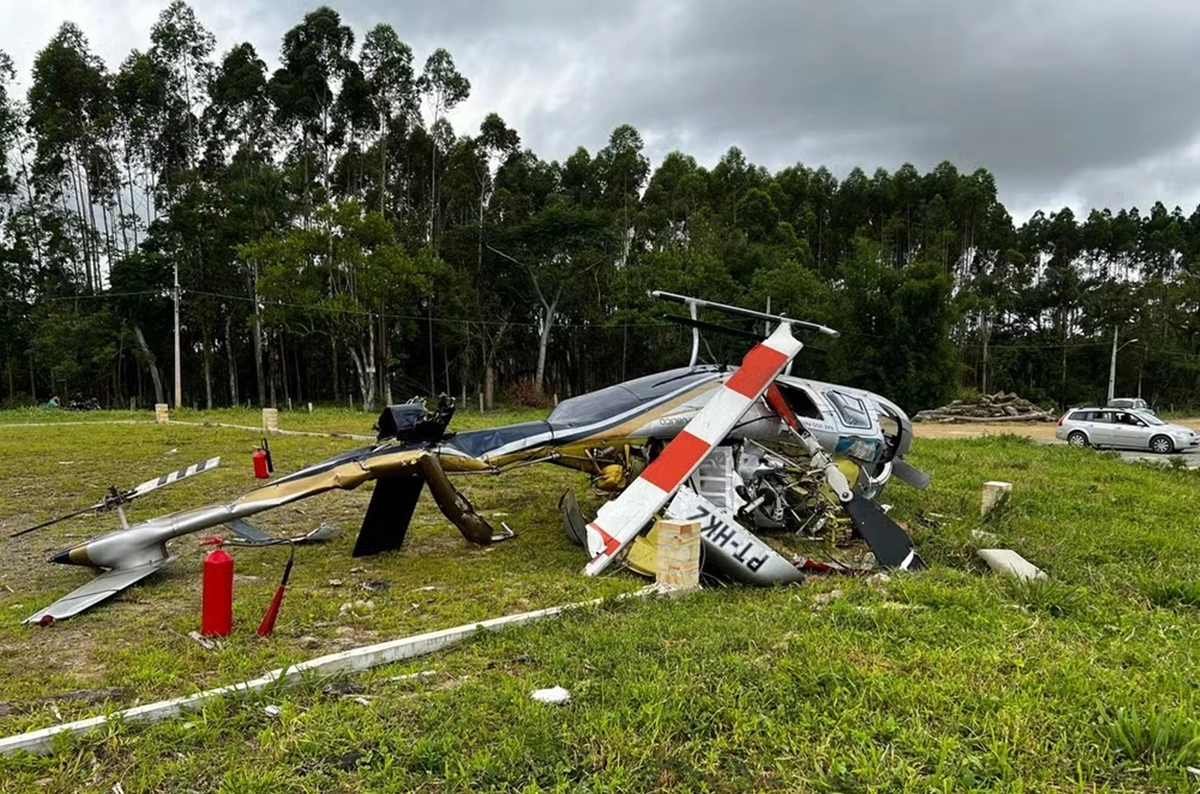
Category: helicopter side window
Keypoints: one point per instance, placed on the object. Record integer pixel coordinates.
(851, 409)
(801, 403)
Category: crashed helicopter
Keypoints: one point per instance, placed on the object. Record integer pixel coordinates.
(743, 450)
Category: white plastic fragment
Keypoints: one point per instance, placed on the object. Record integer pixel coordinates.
(272, 711)
(984, 535)
(205, 643)
(422, 676)
(554, 694)
(1008, 561)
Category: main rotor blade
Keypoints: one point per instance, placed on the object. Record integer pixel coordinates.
(56, 520)
(721, 307)
(175, 476)
(713, 327)
(619, 521)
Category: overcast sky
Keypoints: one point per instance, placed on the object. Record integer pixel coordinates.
(1068, 103)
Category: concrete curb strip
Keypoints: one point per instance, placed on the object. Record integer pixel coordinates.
(354, 660)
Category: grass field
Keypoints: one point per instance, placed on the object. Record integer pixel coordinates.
(951, 679)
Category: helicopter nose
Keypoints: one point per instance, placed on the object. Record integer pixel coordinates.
(71, 556)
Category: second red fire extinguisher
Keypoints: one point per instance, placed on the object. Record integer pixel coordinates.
(260, 464)
(263, 467)
(216, 607)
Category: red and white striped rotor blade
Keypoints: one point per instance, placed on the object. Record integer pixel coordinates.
(619, 521)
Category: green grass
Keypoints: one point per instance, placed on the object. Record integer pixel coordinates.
(952, 679)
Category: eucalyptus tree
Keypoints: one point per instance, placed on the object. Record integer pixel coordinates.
(444, 89)
(315, 56)
(387, 66)
(69, 108)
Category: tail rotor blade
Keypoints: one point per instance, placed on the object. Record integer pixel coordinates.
(117, 499)
(175, 476)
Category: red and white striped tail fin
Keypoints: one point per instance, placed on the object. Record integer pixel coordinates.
(619, 521)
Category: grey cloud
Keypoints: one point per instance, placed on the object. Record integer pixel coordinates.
(1063, 101)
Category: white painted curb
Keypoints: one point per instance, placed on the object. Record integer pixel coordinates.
(354, 660)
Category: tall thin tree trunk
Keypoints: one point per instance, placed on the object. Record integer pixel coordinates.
(206, 344)
(258, 346)
(91, 208)
(383, 141)
(120, 221)
(283, 373)
(233, 384)
(84, 242)
(37, 234)
(132, 203)
(271, 370)
(151, 364)
(373, 371)
(384, 348)
(551, 310)
(333, 365)
(297, 371)
(987, 335)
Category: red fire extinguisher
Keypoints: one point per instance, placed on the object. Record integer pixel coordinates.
(260, 464)
(263, 467)
(216, 610)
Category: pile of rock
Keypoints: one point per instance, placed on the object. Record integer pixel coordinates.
(998, 407)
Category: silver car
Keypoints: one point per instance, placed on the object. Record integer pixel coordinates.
(1124, 429)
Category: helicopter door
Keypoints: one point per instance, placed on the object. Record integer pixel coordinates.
(804, 403)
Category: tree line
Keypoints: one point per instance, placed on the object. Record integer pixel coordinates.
(335, 239)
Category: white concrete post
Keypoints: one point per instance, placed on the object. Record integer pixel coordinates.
(994, 494)
(678, 563)
(161, 412)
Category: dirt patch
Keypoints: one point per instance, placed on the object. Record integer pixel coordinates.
(1041, 431)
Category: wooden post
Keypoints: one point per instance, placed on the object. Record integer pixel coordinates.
(678, 562)
(161, 413)
(994, 495)
(270, 419)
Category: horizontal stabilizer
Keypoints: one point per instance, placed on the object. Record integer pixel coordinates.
(103, 586)
(247, 531)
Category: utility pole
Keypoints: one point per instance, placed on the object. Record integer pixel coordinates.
(178, 376)
(1112, 368)
(432, 368)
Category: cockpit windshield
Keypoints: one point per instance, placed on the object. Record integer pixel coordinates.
(850, 408)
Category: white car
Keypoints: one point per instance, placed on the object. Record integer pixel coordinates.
(1124, 429)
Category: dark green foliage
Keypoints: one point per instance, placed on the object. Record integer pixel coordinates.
(537, 270)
